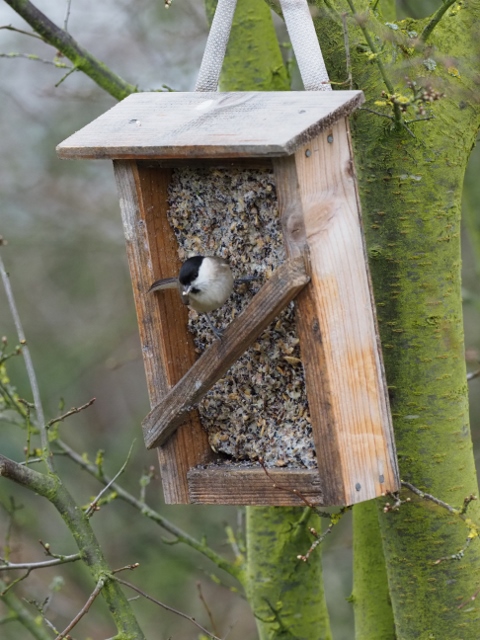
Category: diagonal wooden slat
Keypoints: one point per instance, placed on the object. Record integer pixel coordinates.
(274, 295)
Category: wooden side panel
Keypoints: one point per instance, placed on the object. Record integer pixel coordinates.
(341, 353)
(167, 347)
(252, 486)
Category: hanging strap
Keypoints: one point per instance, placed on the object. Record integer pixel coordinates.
(306, 47)
(302, 36)
(216, 46)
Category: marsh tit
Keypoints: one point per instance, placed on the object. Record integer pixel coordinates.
(204, 282)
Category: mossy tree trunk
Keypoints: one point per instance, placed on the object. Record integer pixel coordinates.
(370, 598)
(411, 189)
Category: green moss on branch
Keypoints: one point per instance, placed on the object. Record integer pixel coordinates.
(69, 47)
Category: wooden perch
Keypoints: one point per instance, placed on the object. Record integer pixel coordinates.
(285, 283)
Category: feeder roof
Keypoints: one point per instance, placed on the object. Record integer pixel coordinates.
(210, 124)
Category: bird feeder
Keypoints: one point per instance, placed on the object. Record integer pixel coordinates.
(303, 139)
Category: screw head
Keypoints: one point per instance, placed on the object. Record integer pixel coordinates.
(358, 486)
(308, 153)
(330, 138)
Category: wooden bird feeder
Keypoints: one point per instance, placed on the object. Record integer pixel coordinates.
(305, 137)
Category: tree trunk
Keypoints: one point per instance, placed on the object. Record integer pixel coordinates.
(370, 597)
(285, 593)
(410, 189)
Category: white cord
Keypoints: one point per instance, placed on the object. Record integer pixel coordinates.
(305, 45)
(216, 46)
(302, 36)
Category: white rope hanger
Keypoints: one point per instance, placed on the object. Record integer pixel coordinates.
(302, 36)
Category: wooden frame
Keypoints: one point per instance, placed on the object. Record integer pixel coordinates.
(317, 195)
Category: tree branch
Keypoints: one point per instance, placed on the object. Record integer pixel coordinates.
(40, 483)
(69, 47)
(396, 109)
(32, 378)
(167, 607)
(84, 610)
(435, 19)
(147, 511)
(22, 615)
(50, 487)
(31, 566)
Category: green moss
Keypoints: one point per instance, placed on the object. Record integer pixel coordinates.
(415, 265)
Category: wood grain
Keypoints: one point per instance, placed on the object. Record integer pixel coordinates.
(274, 295)
(209, 125)
(167, 347)
(341, 355)
(227, 484)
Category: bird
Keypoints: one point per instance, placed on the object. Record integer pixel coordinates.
(204, 282)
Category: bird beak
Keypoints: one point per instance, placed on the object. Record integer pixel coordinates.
(184, 293)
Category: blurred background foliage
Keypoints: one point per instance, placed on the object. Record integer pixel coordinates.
(68, 269)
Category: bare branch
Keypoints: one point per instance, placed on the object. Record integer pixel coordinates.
(72, 411)
(69, 47)
(30, 566)
(35, 58)
(166, 607)
(207, 608)
(428, 496)
(67, 15)
(435, 19)
(94, 504)
(32, 378)
(10, 27)
(84, 610)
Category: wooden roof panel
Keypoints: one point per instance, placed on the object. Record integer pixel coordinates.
(210, 125)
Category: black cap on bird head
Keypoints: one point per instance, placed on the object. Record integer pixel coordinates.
(189, 270)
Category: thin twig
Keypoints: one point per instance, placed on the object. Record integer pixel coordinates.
(473, 374)
(428, 496)
(473, 527)
(63, 78)
(93, 505)
(128, 567)
(377, 113)
(72, 411)
(35, 58)
(100, 584)
(67, 15)
(435, 19)
(320, 537)
(166, 607)
(30, 566)
(207, 608)
(396, 109)
(10, 27)
(29, 366)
